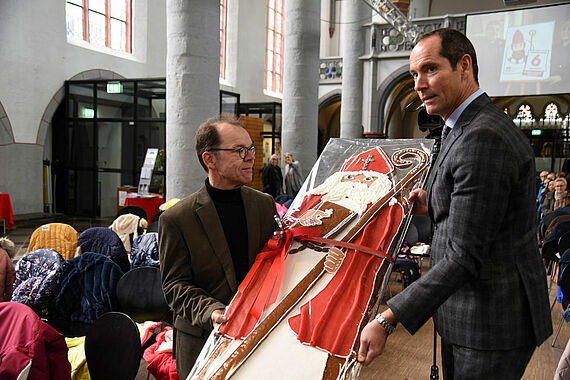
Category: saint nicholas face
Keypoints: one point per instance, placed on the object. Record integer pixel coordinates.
(359, 178)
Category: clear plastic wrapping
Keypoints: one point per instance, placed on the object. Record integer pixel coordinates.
(316, 284)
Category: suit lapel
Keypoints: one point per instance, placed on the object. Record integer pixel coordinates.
(213, 230)
(464, 120)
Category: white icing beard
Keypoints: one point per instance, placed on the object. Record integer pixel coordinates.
(354, 195)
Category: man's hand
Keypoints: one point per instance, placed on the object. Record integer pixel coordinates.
(372, 342)
(419, 196)
(373, 338)
(218, 317)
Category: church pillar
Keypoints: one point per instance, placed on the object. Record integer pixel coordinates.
(353, 14)
(192, 87)
(301, 81)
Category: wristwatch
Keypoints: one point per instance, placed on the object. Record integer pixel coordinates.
(384, 323)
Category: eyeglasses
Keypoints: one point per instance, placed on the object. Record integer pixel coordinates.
(243, 151)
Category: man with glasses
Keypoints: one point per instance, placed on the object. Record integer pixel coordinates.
(209, 240)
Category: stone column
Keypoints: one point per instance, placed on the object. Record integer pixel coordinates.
(370, 97)
(352, 38)
(418, 8)
(192, 87)
(301, 81)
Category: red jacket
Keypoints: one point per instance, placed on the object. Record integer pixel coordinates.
(26, 337)
(161, 365)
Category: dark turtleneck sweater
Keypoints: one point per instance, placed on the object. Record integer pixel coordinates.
(231, 212)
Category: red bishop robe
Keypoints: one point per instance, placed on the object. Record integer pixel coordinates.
(331, 320)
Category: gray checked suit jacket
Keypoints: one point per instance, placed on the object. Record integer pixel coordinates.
(487, 284)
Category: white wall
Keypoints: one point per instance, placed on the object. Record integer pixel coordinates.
(36, 59)
(330, 46)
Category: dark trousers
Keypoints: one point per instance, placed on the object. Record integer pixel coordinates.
(462, 363)
(187, 347)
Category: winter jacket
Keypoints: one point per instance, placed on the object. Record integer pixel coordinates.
(36, 283)
(160, 363)
(27, 338)
(128, 224)
(60, 237)
(88, 287)
(144, 252)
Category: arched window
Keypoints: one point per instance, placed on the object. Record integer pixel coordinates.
(105, 23)
(274, 47)
(524, 115)
(551, 113)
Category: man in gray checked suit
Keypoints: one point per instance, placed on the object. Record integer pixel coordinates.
(486, 288)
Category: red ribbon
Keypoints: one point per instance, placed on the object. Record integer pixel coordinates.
(342, 244)
(276, 250)
(267, 288)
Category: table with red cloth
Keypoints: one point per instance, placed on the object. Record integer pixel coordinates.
(148, 203)
(6, 211)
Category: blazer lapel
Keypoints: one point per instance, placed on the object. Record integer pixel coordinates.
(213, 230)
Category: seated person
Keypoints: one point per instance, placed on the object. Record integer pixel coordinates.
(548, 188)
(7, 272)
(558, 198)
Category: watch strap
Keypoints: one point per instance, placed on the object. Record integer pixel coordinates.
(384, 323)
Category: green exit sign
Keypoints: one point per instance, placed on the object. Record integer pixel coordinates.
(536, 132)
(88, 113)
(114, 87)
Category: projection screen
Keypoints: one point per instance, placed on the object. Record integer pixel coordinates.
(524, 51)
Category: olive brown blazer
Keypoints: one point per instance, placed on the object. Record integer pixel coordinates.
(197, 270)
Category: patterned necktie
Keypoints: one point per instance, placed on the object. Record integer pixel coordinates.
(438, 143)
(446, 131)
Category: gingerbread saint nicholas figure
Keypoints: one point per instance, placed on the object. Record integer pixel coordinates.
(331, 320)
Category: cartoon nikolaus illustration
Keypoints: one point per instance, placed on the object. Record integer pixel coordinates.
(518, 48)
